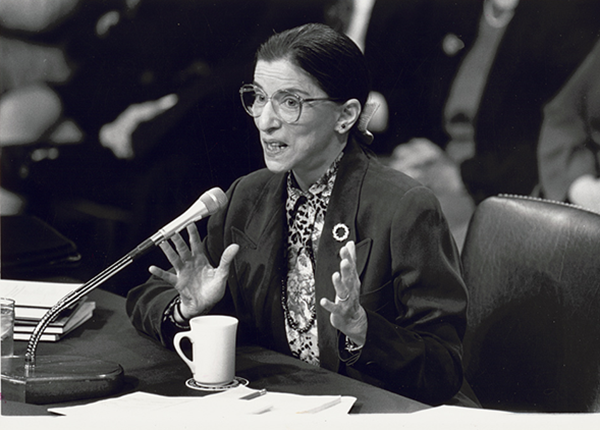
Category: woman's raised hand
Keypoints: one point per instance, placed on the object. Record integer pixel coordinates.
(347, 315)
(200, 285)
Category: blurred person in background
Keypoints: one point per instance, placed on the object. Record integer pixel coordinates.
(130, 62)
(469, 80)
(29, 108)
(150, 91)
(569, 146)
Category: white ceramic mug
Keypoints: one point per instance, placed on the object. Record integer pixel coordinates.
(213, 348)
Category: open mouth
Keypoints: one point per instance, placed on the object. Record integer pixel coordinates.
(274, 146)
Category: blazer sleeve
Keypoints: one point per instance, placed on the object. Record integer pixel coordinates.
(415, 349)
(146, 305)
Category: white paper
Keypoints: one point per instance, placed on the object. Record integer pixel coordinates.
(35, 294)
(463, 418)
(226, 404)
(443, 417)
(284, 403)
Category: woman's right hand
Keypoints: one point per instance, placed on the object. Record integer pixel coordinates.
(200, 285)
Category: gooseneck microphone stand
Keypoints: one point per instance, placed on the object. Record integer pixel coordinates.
(64, 378)
(75, 295)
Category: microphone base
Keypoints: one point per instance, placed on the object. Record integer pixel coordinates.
(57, 379)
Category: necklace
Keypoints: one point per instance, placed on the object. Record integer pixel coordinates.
(295, 325)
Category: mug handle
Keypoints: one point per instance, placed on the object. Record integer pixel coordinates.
(176, 342)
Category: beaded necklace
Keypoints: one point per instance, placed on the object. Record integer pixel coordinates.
(284, 298)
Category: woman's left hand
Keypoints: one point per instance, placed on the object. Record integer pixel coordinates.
(347, 315)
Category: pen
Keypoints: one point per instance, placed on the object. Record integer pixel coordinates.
(324, 406)
(254, 395)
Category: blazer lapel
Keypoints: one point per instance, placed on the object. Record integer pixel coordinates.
(263, 235)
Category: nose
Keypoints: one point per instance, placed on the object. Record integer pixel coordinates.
(268, 119)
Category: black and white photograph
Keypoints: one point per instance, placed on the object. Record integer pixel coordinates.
(298, 214)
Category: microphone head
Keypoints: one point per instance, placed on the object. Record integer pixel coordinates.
(214, 200)
(208, 204)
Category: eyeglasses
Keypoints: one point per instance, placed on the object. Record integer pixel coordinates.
(287, 105)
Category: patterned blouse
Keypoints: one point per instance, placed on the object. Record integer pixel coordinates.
(305, 213)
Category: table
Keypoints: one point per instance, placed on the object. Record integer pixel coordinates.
(150, 367)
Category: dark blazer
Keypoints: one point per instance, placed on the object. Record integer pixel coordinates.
(411, 285)
(543, 44)
(569, 144)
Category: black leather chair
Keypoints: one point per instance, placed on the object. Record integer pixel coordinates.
(532, 268)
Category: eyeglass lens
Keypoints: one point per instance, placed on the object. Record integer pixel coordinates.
(286, 105)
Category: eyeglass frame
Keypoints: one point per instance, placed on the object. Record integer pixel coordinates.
(300, 99)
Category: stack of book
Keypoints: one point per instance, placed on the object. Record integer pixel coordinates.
(34, 299)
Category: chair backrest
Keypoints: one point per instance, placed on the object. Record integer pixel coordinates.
(532, 268)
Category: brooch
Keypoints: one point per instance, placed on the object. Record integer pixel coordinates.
(341, 232)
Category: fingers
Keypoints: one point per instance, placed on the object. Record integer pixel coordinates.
(345, 280)
(346, 312)
(348, 252)
(341, 290)
(347, 277)
(169, 277)
(183, 251)
(327, 304)
(346, 284)
(182, 248)
(171, 255)
(228, 256)
(195, 242)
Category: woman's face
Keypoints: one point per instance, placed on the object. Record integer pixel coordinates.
(307, 146)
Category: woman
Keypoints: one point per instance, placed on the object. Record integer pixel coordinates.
(325, 254)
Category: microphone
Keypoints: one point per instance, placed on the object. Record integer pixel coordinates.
(208, 204)
(59, 379)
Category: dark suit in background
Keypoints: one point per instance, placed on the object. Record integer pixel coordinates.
(203, 51)
(569, 146)
(414, 67)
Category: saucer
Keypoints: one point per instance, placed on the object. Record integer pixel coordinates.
(195, 385)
